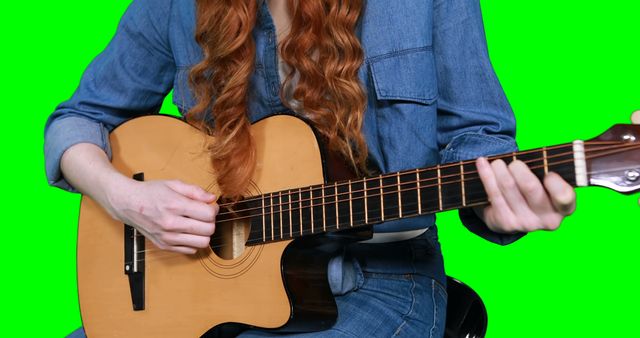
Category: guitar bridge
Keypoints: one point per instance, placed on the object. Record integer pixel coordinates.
(134, 260)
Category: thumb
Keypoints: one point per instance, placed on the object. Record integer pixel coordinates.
(635, 117)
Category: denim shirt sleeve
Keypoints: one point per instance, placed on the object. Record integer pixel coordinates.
(129, 78)
(474, 116)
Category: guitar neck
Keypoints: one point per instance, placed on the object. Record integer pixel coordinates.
(304, 211)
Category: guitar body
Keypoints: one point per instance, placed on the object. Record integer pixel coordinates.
(276, 285)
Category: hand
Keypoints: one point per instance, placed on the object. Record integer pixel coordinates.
(519, 202)
(174, 215)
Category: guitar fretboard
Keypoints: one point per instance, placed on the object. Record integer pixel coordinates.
(334, 206)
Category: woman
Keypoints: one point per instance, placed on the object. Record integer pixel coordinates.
(391, 84)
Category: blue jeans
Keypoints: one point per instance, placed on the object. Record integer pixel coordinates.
(385, 290)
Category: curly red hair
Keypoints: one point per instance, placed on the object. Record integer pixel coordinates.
(324, 55)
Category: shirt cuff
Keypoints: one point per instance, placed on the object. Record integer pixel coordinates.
(63, 133)
(469, 146)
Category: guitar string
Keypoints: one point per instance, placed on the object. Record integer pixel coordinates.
(159, 254)
(450, 165)
(355, 225)
(407, 204)
(367, 179)
(427, 201)
(311, 199)
(459, 181)
(474, 179)
(292, 192)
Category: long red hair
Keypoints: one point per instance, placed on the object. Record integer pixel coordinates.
(324, 55)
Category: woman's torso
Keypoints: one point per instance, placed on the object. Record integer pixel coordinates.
(398, 74)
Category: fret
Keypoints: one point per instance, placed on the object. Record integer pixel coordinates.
(451, 190)
(280, 213)
(276, 216)
(295, 214)
(350, 205)
(429, 190)
(474, 190)
(399, 195)
(306, 212)
(373, 201)
(391, 205)
(409, 194)
(300, 209)
(311, 207)
(329, 207)
(358, 203)
(318, 217)
(285, 214)
(418, 190)
(337, 198)
(268, 217)
(344, 204)
(366, 202)
(324, 211)
(513, 157)
(439, 187)
(381, 192)
(264, 224)
(546, 164)
(464, 195)
(289, 197)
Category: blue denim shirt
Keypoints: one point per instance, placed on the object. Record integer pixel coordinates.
(433, 96)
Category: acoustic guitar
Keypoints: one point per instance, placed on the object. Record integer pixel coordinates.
(267, 262)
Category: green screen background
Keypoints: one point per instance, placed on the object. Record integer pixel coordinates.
(570, 69)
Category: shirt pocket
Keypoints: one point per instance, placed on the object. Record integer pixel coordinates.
(408, 75)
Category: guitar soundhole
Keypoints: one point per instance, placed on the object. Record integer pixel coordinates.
(228, 242)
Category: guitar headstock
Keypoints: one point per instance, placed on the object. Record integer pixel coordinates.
(613, 158)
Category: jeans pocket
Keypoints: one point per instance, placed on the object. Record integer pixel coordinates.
(345, 275)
